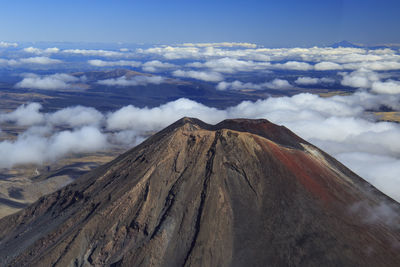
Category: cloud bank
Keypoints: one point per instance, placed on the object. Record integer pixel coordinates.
(223, 44)
(238, 85)
(38, 51)
(34, 147)
(368, 79)
(210, 62)
(157, 66)
(7, 44)
(313, 81)
(199, 75)
(30, 60)
(24, 115)
(132, 81)
(339, 125)
(102, 63)
(94, 52)
(230, 63)
(56, 81)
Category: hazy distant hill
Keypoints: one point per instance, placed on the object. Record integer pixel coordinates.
(345, 43)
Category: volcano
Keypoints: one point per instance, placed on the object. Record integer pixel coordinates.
(238, 193)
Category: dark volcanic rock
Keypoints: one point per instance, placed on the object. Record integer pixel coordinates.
(239, 193)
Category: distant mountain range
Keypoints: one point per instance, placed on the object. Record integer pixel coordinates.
(239, 193)
(348, 44)
(345, 44)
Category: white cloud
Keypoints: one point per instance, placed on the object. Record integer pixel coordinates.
(326, 80)
(376, 65)
(133, 81)
(75, 117)
(278, 84)
(368, 79)
(220, 60)
(170, 52)
(157, 66)
(9, 62)
(24, 115)
(327, 66)
(7, 44)
(126, 138)
(146, 119)
(293, 65)
(102, 63)
(199, 75)
(325, 58)
(33, 50)
(36, 148)
(86, 139)
(387, 87)
(306, 81)
(49, 82)
(29, 60)
(313, 81)
(38, 51)
(92, 52)
(238, 85)
(223, 44)
(383, 174)
(39, 60)
(360, 79)
(230, 65)
(52, 50)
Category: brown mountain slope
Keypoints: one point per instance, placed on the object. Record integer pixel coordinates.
(240, 193)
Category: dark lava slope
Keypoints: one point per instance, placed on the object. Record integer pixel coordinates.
(239, 193)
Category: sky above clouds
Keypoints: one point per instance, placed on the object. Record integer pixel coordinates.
(270, 23)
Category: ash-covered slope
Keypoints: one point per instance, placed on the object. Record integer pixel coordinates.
(240, 193)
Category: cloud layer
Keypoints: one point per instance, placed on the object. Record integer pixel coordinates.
(38, 51)
(57, 81)
(122, 63)
(231, 65)
(29, 60)
(368, 79)
(132, 81)
(7, 44)
(210, 62)
(206, 76)
(341, 125)
(338, 125)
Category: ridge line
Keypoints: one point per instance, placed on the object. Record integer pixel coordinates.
(209, 167)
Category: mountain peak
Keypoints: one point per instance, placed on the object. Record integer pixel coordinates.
(241, 192)
(345, 44)
(261, 127)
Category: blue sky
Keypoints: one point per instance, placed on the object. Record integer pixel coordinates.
(270, 23)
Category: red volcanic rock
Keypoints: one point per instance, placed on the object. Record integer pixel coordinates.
(239, 193)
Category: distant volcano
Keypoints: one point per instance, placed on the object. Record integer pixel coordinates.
(345, 43)
(239, 193)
